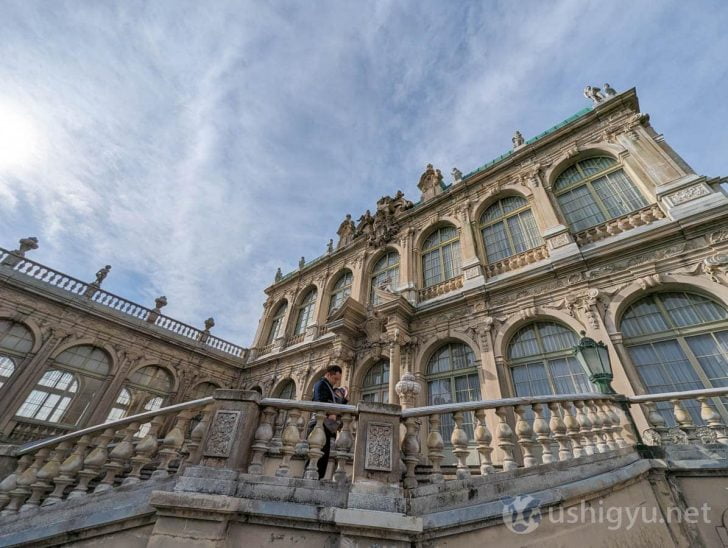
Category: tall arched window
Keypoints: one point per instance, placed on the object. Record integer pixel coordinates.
(595, 190)
(452, 377)
(385, 274)
(305, 312)
(542, 362)
(276, 322)
(441, 256)
(203, 390)
(508, 228)
(678, 341)
(50, 399)
(375, 386)
(341, 290)
(150, 387)
(287, 391)
(121, 406)
(15, 342)
(83, 368)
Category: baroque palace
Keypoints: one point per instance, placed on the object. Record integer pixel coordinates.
(478, 291)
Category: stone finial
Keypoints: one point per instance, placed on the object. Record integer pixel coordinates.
(430, 182)
(593, 93)
(209, 323)
(301, 263)
(608, 91)
(457, 175)
(101, 275)
(26, 244)
(160, 302)
(517, 139)
(330, 246)
(279, 275)
(408, 389)
(346, 231)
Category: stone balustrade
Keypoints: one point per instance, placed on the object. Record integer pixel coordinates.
(643, 216)
(295, 339)
(92, 292)
(154, 444)
(683, 417)
(515, 262)
(440, 289)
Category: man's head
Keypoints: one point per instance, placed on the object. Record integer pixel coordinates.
(333, 374)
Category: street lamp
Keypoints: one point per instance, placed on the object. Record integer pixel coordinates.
(594, 358)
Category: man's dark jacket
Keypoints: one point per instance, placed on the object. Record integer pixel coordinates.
(323, 392)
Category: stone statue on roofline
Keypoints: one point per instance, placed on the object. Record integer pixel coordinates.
(330, 246)
(365, 224)
(592, 93)
(457, 175)
(101, 275)
(301, 263)
(517, 139)
(608, 91)
(346, 231)
(279, 274)
(430, 182)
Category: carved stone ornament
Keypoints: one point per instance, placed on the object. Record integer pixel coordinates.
(687, 194)
(408, 389)
(560, 240)
(220, 441)
(380, 439)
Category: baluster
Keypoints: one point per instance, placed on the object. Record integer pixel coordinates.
(302, 444)
(504, 437)
(684, 420)
(69, 469)
(289, 438)
(11, 481)
(316, 440)
(46, 475)
(609, 409)
(280, 424)
(435, 445)
(584, 428)
(263, 435)
(483, 438)
(606, 420)
(118, 458)
(712, 419)
(344, 443)
(92, 463)
(23, 483)
(145, 450)
(172, 444)
(656, 421)
(198, 432)
(459, 440)
(572, 427)
(525, 435)
(558, 428)
(543, 433)
(596, 427)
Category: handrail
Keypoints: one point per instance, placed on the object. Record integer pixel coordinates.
(687, 395)
(307, 405)
(139, 417)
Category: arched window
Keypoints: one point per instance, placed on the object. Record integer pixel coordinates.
(15, 342)
(441, 256)
(595, 190)
(287, 391)
(385, 274)
(203, 390)
(51, 397)
(452, 377)
(341, 290)
(305, 312)
(276, 322)
(375, 386)
(150, 387)
(121, 406)
(678, 341)
(508, 228)
(83, 368)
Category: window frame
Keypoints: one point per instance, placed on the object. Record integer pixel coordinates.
(344, 290)
(307, 306)
(381, 389)
(274, 329)
(375, 273)
(439, 249)
(482, 225)
(48, 391)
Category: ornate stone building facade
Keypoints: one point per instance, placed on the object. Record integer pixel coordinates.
(480, 290)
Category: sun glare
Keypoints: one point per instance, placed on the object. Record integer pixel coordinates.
(18, 137)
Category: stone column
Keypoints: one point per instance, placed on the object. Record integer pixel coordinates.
(407, 267)
(470, 265)
(394, 368)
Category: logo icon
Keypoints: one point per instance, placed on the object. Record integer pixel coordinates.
(521, 514)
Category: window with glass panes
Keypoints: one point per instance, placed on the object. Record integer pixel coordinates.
(15, 342)
(152, 404)
(441, 256)
(542, 362)
(509, 228)
(341, 290)
(452, 377)
(121, 406)
(305, 312)
(375, 386)
(50, 398)
(678, 341)
(287, 391)
(275, 324)
(595, 190)
(385, 273)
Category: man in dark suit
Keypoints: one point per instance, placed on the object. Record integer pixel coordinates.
(326, 391)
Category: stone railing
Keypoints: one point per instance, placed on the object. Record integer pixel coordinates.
(440, 289)
(295, 339)
(693, 414)
(612, 227)
(95, 294)
(514, 262)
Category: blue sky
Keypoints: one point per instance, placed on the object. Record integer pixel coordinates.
(197, 146)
